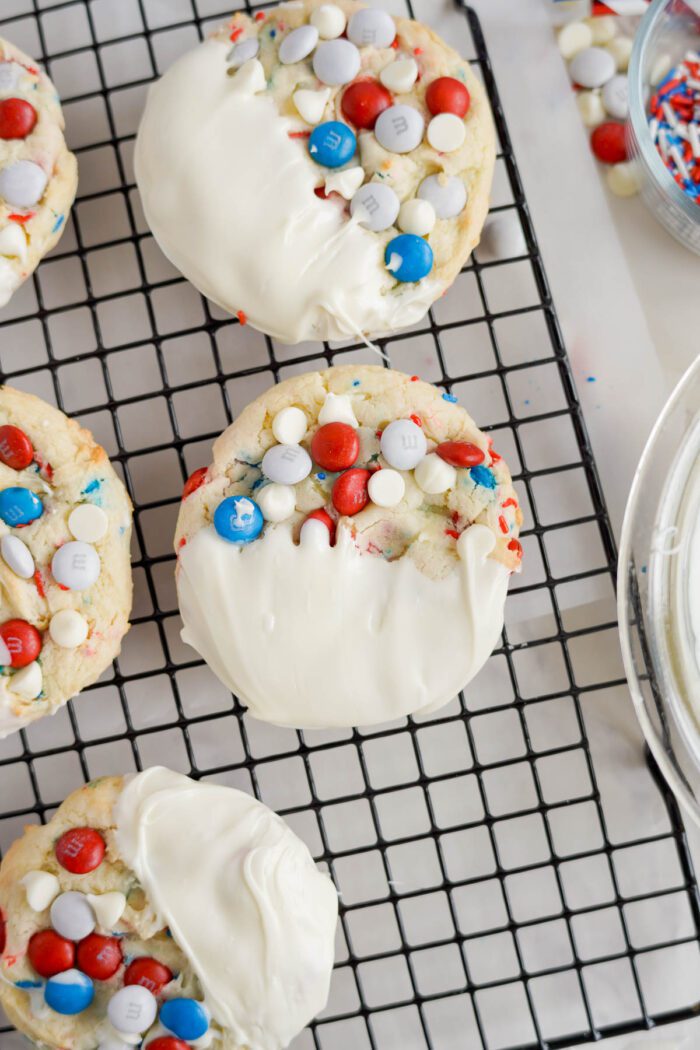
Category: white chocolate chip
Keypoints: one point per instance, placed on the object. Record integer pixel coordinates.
(346, 183)
(446, 132)
(277, 502)
(621, 50)
(13, 242)
(330, 21)
(68, 629)
(289, 425)
(88, 523)
(337, 408)
(400, 76)
(249, 79)
(314, 534)
(661, 67)
(574, 38)
(386, 487)
(27, 682)
(310, 105)
(433, 475)
(108, 908)
(417, 216)
(590, 106)
(17, 556)
(42, 888)
(603, 28)
(623, 179)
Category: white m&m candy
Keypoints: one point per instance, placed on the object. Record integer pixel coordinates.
(276, 502)
(298, 45)
(386, 488)
(403, 444)
(68, 628)
(400, 76)
(289, 425)
(372, 28)
(399, 129)
(433, 475)
(376, 206)
(22, 183)
(336, 62)
(417, 216)
(17, 556)
(243, 52)
(446, 132)
(88, 523)
(592, 67)
(132, 1009)
(616, 97)
(72, 916)
(446, 193)
(286, 464)
(503, 236)
(330, 21)
(76, 565)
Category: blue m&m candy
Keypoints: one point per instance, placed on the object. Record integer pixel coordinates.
(238, 519)
(332, 144)
(409, 257)
(19, 506)
(185, 1018)
(69, 992)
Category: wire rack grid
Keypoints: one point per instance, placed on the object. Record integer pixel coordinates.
(497, 888)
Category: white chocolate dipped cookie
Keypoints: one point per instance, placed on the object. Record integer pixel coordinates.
(322, 170)
(345, 559)
(38, 174)
(65, 573)
(159, 911)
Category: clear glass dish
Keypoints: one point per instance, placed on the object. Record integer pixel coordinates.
(659, 591)
(669, 28)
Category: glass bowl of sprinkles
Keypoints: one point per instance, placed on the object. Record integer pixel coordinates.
(664, 115)
(659, 591)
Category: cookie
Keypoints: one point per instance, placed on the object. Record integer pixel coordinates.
(38, 174)
(65, 575)
(345, 559)
(154, 907)
(322, 170)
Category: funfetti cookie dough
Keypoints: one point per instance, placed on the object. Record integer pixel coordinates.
(157, 911)
(65, 573)
(322, 170)
(345, 558)
(38, 174)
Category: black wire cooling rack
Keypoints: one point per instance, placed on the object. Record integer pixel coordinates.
(510, 873)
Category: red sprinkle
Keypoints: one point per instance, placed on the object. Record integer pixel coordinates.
(149, 973)
(414, 379)
(460, 453)
(335, 446)
(395, 43)
(17, 118)
(495, 458)
(417, 420)
(417, 50)
(516, 546)
(503, 525)
(242, 317)
(509, 502)
(260, 16)
(182, 542)
(350, 494)
(21, 219)
(194, 481)
(299, 134)
(80, 850)
(39, 584)
(49, 953)
(16, 450)
(99, 957)
(324, 516)
(23, 642)
(453, 533)
(235, 33)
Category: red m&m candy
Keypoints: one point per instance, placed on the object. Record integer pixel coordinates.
(80, 850)
(17, 118)
(335, 446)
(168, 1042)
(23, 642)
(447, 95)
(194, 481)
(608, 142)
(99, 957)
(149, 973)
(350, 494)
(460, 453)
(50, 953)
(363, 101)
(16, 449)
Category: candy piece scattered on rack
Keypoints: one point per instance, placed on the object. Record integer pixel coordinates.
(674, 123)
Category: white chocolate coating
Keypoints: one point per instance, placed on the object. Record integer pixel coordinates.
(242, 898)
(271, 620)
(230, 199)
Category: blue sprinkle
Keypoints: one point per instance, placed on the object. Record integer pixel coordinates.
(321, 476)
(273, 34)
(644, 570)
(29, 984)
(590, 379)
(356, 382)
(92, 487)
(526, 401)
(58, 223)
(483, 476)
(450, 397)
